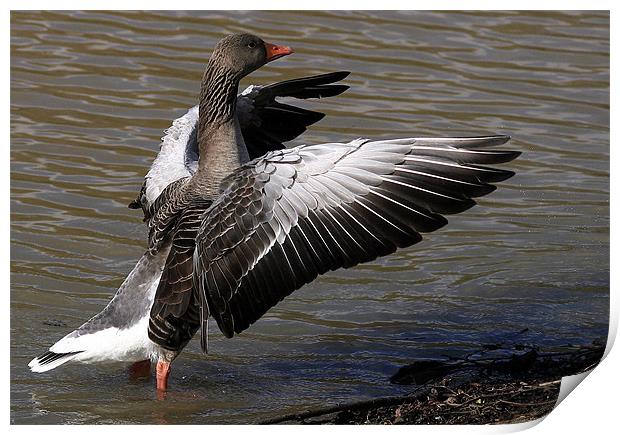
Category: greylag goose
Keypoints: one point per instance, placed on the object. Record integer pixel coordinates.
(241, 235)
(119, 332)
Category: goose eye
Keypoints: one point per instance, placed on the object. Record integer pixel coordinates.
(252, 44)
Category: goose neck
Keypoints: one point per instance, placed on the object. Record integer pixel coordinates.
(218, 96)
(220, 142)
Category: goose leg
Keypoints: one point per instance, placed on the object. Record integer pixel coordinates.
(163, 371)
(164, 360)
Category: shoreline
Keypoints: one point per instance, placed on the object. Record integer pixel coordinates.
(521, 387)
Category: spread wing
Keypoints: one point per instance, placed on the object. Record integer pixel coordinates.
(294, 214)
(267, 123)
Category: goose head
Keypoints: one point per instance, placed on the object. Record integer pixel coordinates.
(244, 53)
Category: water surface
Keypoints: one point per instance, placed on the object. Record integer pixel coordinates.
(92, 92)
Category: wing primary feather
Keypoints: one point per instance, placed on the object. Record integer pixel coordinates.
(342, 246)
(323, 243)
(297, 264)
(285, 266)
(368, 242)
(301, 247)
(412, 186)
(471, 189)
(465, 155)
(399, 234)
(363, 202)
(318, 252)
(354, 246)
(355, 217)
(480, 173)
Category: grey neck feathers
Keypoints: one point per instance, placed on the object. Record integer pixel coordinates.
(218, 95)
(220, 142)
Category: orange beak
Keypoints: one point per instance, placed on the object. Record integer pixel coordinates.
(276, 51)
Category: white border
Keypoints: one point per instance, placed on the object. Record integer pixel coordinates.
(591, 408)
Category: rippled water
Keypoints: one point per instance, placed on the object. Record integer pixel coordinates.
(91, 93)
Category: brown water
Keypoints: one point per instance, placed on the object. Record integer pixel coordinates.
(91, 93)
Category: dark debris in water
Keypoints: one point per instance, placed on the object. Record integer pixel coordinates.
(422, 372)
(55, 322)
(516, 388)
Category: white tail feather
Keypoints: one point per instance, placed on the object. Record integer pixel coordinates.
(49, 361)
